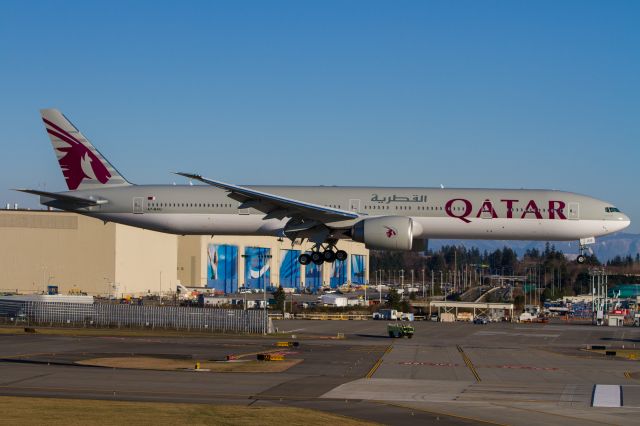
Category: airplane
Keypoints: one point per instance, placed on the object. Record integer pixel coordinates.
(382, 218)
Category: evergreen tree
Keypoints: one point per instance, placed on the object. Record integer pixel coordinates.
(279, 296)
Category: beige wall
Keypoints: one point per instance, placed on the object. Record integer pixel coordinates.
(40, 248)
(146, 261)
(74, 252)
(190, 261)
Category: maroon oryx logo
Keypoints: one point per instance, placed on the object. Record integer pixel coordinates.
(77, 161)
(391, 232)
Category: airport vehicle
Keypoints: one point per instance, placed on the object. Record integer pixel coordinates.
(386, 314)
(407, 316)
(464, 316)
(526, 317)
(399, 329)
(480, 320)
(381, 218)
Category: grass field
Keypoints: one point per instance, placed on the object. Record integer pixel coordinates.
(72, 412)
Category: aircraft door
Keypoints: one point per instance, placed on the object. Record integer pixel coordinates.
(138, 205)
(574, 211)
(354, 205)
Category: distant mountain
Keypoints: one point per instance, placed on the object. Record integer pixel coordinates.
(605, 248)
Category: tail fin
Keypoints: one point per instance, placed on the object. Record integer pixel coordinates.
(82, 164)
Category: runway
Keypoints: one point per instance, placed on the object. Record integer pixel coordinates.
(459, 373)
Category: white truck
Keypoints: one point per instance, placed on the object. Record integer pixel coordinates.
(386, 314)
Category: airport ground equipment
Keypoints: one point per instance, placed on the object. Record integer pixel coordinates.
(287, 344)
(399, 329)
(270, 357)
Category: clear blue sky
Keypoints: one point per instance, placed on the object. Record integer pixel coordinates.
(465, 93)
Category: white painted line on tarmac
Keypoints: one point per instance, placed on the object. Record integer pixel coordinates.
(607, 396)
(293, 331)
(496, 333)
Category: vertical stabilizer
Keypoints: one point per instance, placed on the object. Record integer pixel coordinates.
(82, 164)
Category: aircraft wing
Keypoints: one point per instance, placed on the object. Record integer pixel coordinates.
(84, 202)
(275, 206)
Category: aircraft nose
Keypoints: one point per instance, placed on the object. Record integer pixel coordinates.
(623, 221)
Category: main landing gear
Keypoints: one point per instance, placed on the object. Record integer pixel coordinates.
(319, 255)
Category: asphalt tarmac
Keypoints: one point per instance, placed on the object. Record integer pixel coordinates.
(457, 373)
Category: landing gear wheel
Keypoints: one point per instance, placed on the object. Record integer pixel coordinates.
(317, 258)
(329, 256)
(304, 259)
(341, 255)
(581, 259)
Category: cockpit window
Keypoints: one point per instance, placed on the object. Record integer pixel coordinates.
(611, 209)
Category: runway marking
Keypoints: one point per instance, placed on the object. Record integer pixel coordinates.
(494, 333)
(469, 364)
(450, 364)
(607, 396)
(26, 379)
(378, 362)
(520, 367)
(292, 331)
(430, 364)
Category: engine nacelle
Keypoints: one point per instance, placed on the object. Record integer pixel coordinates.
(384, 233)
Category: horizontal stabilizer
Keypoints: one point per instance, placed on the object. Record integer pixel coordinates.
(86, 202)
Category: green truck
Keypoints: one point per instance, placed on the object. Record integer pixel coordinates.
(400, 329)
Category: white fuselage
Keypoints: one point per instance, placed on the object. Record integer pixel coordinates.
(492, 214)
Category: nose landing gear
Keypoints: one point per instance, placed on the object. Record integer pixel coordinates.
(584, 249)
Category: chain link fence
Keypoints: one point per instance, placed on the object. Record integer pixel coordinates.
(100, 315)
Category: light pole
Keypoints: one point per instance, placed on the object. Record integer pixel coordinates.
(433, 284)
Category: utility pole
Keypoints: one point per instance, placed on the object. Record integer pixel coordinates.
(380, 290)
(455, 268)
(433, 283)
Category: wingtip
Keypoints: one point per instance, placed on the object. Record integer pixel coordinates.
(189, 175)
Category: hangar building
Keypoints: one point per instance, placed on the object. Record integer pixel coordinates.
(40, 248)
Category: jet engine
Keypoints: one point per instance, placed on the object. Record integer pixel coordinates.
(384, 233)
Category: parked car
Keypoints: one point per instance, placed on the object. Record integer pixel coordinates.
(480, 320)
(434, 317)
